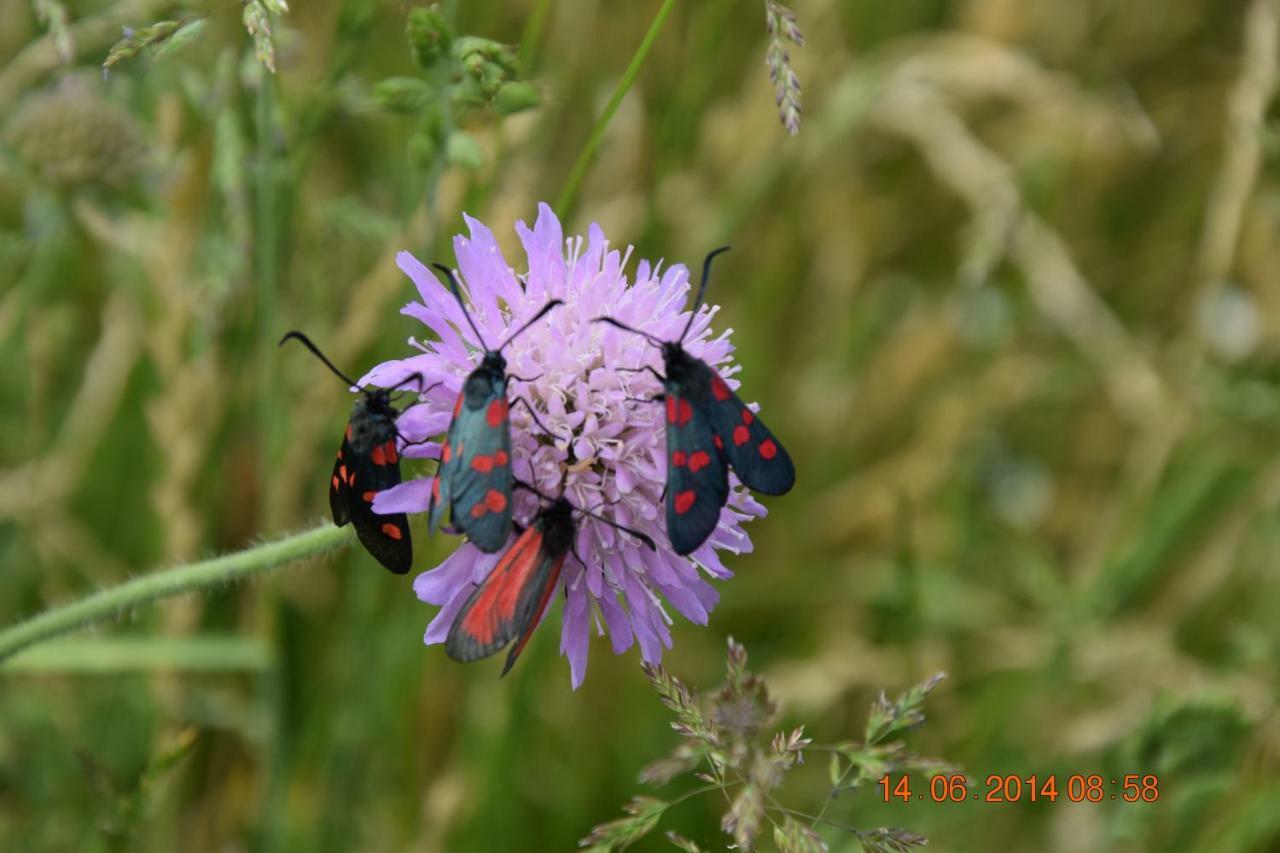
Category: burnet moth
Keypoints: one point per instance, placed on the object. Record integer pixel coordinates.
(707, 427)
(368, 462)
(509, 603)
(473, 482)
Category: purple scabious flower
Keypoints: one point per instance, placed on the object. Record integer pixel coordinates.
(615, 462)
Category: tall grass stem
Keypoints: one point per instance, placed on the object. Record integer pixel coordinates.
(588, 153)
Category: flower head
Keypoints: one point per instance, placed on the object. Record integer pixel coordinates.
(608, 451)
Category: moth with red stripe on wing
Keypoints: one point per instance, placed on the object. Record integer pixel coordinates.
(509, 603)
(473, 482)
(709, 429)
(368, 463)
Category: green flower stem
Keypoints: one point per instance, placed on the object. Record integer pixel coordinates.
(532, 34)
(166, 583)
(597, 133)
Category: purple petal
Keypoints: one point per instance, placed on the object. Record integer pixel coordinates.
(438, 629)
(573, 634)
(420, 422)
(615, 618)
(409, 496)
(441, 583)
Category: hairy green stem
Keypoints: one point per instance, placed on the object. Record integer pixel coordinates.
(166, 583)
(588, 153)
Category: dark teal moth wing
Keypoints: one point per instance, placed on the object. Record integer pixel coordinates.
(756, 455)
(697, 480)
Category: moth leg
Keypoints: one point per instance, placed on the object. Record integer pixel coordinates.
(655, 373)
(537, 420)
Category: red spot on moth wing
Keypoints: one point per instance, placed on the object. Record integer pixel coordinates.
(339, 452)
(335, 482)
(679, 458)
(718, 389)
(435, 488)
(342, 474)
(348, 433)
(446, 452)
(684, 411)
(740, 435)
(495, 500)
(497, 413)
(684, 501)
(768, 449)
(392, 530)
(392, 455)
(457, 407)
(369, 496)
(716, 440)
(500, 458)
(747, 417)
(483, 464)
(671, 409)
(700, 459)
(378, 456)
(479, 510)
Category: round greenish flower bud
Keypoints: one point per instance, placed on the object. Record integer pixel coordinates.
(407, 95)
(492, 76)
(429, 36)
(462, 149)
(515, 97)
(70, 136)
(422, 149)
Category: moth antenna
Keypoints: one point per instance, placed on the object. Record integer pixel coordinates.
(411, 376)
(457, 294)
(306, 342)
(626, 328)
(551, 303)
(702, 288)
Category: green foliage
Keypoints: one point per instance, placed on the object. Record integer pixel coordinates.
(163, 36)
(749, 771)
(1010, 299)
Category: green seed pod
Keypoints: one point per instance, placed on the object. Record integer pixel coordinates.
(406, 95)
(422, 149)
(463, 150)
(515, 97)
(429, 36)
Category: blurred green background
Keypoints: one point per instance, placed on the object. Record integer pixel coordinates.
(1011, 297)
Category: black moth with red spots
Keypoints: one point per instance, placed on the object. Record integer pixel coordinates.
(709, 429)
(473, 482)
(509, 603)
(368, 462)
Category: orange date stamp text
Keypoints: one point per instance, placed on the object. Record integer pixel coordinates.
(1007, 788)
